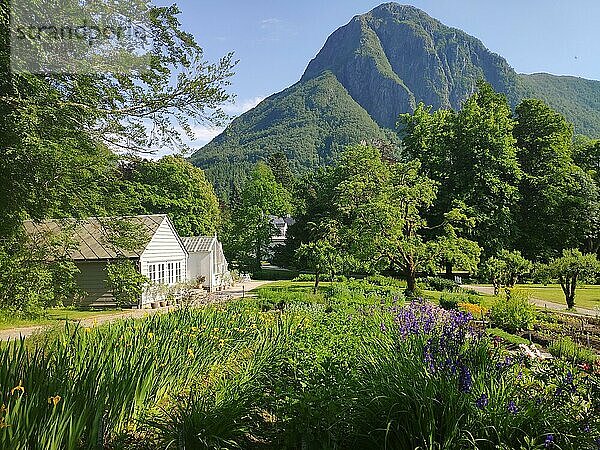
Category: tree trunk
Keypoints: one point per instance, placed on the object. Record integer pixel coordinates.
(449, 268)
(571, 293)
(496, 287)
(317, 279)
(411, 284)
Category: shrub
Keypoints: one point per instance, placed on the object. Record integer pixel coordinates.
(567, 349)
(305, 277)
(513, 312)
(511, 338)
(311, 277)
(450, 300)
(440, 284)
(125, 282)
(274, 274)
(381, 280)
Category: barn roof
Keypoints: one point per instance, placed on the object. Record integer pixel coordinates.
(96, 238)
(198, 244)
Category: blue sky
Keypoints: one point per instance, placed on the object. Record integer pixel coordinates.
(275, 39)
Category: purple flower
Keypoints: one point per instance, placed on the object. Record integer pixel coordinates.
(549, 442)
(482, 401)
(569, 378)
(512, 407)
(465, 380)
(383, 327)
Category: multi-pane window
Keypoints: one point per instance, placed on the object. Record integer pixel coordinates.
(161, 273)
(165, 273)
(178, 271)
(171, 272)
(152, 272)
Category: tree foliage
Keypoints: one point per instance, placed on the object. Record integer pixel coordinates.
(126, 282)
(472, 155)
(248, 236)
(56, 128)
(558, 199)
(171, 186)
(377, 208)
(505, 269)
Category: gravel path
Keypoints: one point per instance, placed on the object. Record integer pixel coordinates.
(237, 291)
(540, 303)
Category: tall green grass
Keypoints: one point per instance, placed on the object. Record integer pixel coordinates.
(289, 370)
(88, 385)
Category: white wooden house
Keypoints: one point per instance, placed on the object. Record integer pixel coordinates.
(161, 255)
(207, 262)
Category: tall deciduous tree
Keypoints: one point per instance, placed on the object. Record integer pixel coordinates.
(56, 128)
(381, 208)
(175, 187)
(558, 198)
(251, 229)
(473, 157)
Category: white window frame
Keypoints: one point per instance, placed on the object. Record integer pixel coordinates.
(178, 272)
(161, 273)
(152, 272)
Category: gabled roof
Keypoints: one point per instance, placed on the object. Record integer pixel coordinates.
(93, 238)
(199, 244)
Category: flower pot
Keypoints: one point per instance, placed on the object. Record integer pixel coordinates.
(163, 304)
(154, 305)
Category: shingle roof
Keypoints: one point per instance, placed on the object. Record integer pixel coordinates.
(93, 238)
(198, 244)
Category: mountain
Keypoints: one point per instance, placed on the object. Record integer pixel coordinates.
(379, 65)
(576, 98)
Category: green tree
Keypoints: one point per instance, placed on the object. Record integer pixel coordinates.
(249, 236)
(56, 129)
(505, 269)
(381, 207)
(322, 257)
(587, 156)
(280, 165)
(35, 276)
(175, 187)
(570, 269)
(558, 199)
(126, 282)
(473, 157)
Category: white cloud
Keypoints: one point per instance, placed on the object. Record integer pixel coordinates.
(235, 109)
(271, 22)
(203, 134)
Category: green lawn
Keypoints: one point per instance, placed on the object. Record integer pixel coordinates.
(53, 316)
(587, 296)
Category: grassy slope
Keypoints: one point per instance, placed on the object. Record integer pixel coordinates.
(577, 99)
(309, 122)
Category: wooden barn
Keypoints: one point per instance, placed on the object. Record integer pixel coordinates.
(207, 262)
(161, 255)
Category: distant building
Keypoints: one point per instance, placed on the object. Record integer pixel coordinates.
(161, 255)
(207, 262)
(281, 225)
